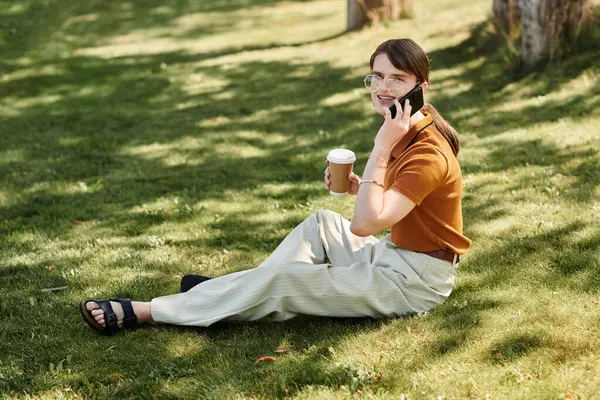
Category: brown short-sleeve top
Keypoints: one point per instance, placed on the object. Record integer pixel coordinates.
(423, 168)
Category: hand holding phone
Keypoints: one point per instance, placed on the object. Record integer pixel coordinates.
(415, 96)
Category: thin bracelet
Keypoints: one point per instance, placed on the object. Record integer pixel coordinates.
(371, 181)
(385, 163)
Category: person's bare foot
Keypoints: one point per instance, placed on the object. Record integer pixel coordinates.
(140, 309)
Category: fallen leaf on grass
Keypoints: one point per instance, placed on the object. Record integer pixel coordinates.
(569, 396)
(281, 351)
(6, 228)
(264, 359)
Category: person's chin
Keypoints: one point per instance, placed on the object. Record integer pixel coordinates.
(380, 110)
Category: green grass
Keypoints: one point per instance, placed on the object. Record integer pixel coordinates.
(140, 141)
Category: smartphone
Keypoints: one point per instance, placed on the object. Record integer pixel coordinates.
(415, 96)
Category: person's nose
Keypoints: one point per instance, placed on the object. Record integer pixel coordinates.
(384, 87)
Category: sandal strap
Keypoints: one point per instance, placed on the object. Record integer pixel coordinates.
(110, 318)
(129, 317)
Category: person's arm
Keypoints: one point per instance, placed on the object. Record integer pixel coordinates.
(375, 208)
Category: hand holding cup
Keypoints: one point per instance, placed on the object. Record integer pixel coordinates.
(353, 178)
(339, 178)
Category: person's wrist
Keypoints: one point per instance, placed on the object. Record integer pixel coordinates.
(381, 152)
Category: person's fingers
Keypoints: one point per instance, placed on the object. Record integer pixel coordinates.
(354, 185)
(407, 108)
(387, 114)
(399, 112)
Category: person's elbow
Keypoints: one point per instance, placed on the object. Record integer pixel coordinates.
(361, 230)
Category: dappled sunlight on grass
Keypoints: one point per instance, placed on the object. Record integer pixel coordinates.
(342, 98)
(144, 141)
(187, 150)
(195, 32)
(31, 102)
(204, 83)
(59, 188)
(12, 156)
(242, 151)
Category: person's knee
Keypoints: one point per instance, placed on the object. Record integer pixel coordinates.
(326, 215)
(321, 222)
(279, 274)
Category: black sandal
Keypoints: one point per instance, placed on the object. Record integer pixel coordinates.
(110, 318)
(189, 281)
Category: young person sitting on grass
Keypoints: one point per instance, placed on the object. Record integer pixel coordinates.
(411, 184)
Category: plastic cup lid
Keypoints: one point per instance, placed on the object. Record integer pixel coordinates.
(341, 156)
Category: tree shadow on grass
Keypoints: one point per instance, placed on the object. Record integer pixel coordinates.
(494, 77)
(515, 346)
(25, 24)
(92, 136)
(95, 153)
(570, 264)
(458, 318)
(92, 155)
(223, 355)
(575, 183)
(82, 139)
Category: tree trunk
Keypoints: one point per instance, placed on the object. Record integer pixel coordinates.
(535, 41)
(507, 15)
(547, 26)
(357, 17)
(372, 12)
(406, 9)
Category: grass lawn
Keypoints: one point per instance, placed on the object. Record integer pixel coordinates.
(141, 141)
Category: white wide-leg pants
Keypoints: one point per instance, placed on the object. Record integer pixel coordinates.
(366, 277)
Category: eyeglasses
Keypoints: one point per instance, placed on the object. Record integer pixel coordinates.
(374, 82)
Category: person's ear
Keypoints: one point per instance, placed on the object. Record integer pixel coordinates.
(425, 86)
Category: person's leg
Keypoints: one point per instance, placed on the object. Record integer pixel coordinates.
(374, 280)
(359, 290)
(396, 282)
(325, 233)
(392, 282)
